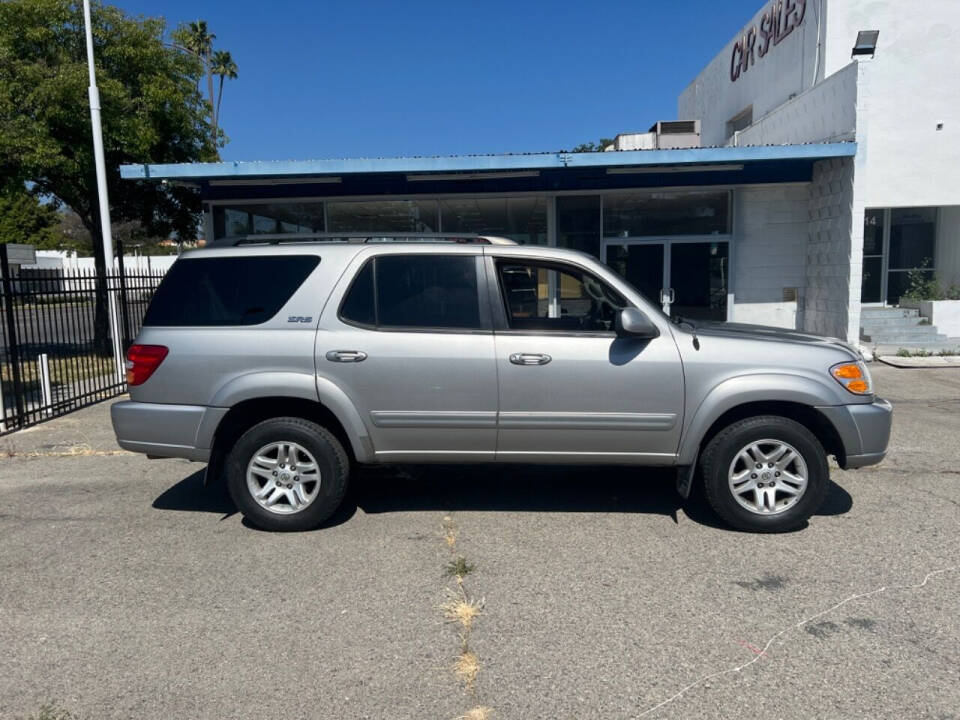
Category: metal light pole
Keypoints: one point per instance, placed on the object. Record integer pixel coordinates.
(101, 164)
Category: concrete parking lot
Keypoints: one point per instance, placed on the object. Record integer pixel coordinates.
(130, 590)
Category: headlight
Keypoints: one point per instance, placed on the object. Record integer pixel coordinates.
(854, 376)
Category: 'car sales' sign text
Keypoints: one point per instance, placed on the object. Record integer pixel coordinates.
(777, 21)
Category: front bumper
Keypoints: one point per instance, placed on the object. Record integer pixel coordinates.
(161, 430)
(864, 431)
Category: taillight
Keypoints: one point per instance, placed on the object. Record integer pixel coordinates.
(854, 377)
(142, 360)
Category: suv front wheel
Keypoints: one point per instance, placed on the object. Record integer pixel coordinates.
(765, 474)
(287, 473)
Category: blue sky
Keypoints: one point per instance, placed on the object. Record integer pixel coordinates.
(374, 79)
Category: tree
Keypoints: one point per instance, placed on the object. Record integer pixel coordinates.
(593, 147)
(25, 219)
(226, 69)
(195, 38)
(152, 113)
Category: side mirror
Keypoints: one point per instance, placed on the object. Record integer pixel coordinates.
(632, 323)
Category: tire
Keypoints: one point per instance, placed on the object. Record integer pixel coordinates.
(263, 461)
(782, 503)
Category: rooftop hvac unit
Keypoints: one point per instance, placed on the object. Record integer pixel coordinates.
(677, 134)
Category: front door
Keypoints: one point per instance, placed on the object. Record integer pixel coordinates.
(689, 278)
(570, 389)
(409, 341)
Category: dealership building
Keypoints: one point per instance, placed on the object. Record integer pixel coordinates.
(814, 172)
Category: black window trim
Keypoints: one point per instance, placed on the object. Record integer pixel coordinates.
(486, 324)
(501, 322)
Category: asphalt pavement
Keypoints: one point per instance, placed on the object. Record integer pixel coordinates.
(131, 591)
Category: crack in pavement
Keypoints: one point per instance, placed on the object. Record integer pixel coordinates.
(794, 626)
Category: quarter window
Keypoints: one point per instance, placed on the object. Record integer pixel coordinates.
(550, 298)
(415, 291)
(224, 291)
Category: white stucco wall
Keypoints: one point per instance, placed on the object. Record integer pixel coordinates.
(909, 87)
(825, 113)
(770, 246)
(786, 70)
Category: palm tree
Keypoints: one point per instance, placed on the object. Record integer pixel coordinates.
(198, 40)
(223, 66)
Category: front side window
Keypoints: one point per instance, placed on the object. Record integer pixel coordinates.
(415, 291)
(554, 298)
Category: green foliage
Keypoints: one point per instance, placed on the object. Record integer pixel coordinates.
(223, 66)
(922, 285)
(52, 712)
(458, 568)
(196, 38)
(25, 219)
(152, 111)
(593, 147)
(903, 352)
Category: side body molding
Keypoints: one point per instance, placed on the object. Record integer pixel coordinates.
(744, 389)
(304, 386)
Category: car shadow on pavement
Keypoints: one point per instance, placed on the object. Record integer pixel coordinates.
(495, 488)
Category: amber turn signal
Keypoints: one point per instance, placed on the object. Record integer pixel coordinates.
(853, 376)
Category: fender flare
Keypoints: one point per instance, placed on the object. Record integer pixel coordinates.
(745, 389)
(296, 385)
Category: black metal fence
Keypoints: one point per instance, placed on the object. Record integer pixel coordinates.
(56, 344)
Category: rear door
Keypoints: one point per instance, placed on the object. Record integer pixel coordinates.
(407, 335)
(569, 388)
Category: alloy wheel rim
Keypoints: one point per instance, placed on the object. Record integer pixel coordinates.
(283, 477)
(768, 477)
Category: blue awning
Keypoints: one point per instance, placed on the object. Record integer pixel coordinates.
(487, 163)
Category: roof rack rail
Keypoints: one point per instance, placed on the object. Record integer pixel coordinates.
(361, 238)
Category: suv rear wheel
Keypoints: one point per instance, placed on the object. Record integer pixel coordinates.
(765, 474)
(287, 473)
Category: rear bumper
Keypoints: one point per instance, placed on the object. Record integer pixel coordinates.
(864, 431)
(161, 430)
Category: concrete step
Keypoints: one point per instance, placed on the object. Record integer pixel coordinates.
(921, 330)
(869, 313)
(892, 321)
(918, 340)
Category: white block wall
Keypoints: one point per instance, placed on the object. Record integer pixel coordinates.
(770, 252)
(825, 113)
(834, 252)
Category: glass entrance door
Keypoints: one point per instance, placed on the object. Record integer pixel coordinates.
(689, 278)
(642, 265)
(699, 274)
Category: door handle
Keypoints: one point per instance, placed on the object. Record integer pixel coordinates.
(346, 356)
(530, 359)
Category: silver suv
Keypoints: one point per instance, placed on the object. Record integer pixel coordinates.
(285, 364)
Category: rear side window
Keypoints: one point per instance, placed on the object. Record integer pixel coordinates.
(227, 290)
(415, 291)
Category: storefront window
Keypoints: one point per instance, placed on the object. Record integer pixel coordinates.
(666, 213)
(913, 237)
(523, 219)
(872, 288)
(578, 223)
(382, 215)
(259, 218)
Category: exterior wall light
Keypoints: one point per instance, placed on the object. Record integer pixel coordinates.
(866, 43)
